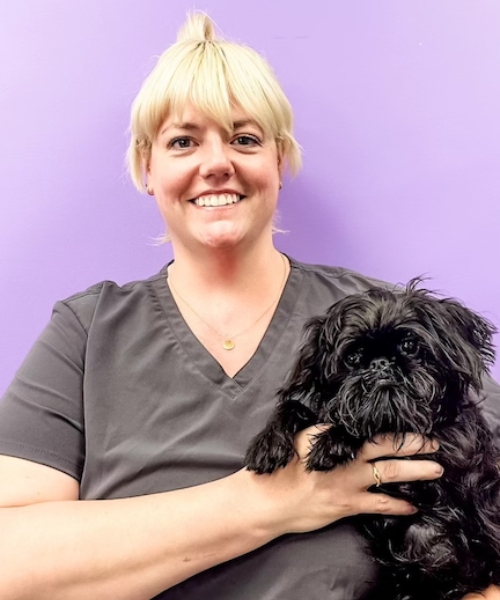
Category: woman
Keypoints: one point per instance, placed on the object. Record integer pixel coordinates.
(146, 396)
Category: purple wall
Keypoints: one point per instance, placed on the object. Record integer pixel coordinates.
(397, 108)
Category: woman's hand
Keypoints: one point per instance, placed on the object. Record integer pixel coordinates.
(491, 593)
(301, 501)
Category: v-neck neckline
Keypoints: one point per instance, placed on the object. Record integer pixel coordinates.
(204, 361)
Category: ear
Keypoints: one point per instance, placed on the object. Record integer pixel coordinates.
(145, 153)
(475, 330)
(313, 373)
(467, 337)
(146, 169)
(281, 167)
(306, 377)
(281, 156)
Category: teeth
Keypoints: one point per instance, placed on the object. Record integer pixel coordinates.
(217, 199)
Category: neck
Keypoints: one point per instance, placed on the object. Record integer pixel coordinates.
(226, 272)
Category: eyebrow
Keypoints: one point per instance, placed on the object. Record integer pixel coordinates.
(187, 126)
(244, 123)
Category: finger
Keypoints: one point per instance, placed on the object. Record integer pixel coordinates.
(385, 505)
(490, 593)
(392, 471)
(397, 446)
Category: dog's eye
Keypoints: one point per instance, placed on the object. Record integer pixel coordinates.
(353, 359)
(409, 346)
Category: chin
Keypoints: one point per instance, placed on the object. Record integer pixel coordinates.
(398, 362)
(222, 238)
(232, 234)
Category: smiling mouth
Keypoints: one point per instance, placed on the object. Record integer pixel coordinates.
(217, 200)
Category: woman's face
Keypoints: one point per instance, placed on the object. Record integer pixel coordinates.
(214, 189)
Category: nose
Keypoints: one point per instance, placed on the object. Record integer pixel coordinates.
(379, 365)
(216, 162)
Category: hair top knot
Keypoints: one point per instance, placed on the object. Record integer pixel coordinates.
(198, 27)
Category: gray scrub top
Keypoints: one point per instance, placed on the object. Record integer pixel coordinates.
(118, 393)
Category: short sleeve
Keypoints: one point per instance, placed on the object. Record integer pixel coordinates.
(41, 414)
(491, 405)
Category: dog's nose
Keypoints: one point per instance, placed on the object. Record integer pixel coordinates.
(379, 364)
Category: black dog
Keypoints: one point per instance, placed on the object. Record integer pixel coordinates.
(400, 362)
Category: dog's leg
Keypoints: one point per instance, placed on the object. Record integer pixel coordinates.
(274, 446)
(333, 447)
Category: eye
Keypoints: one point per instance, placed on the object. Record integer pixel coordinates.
(181, 143)
(409, 346)
(246, 141)
(353, 359)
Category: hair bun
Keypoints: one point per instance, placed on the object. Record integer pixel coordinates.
(198, 27)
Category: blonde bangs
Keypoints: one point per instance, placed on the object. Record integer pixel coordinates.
(205, 86)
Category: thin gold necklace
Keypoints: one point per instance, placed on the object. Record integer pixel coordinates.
(229, 343)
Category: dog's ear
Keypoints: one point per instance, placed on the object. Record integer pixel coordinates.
(466, 337)
(324, 338)
(308, 373)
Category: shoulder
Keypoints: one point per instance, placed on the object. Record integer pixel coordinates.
(490, 397)
(107, 297)
(345, 281)
(317, 287)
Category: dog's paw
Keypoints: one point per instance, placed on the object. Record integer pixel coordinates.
(326, 454)
(268, 451)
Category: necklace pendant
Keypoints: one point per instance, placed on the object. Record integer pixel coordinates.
(228, 345)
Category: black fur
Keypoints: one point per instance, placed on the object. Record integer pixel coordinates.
(397, 362)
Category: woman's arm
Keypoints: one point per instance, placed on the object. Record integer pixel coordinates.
(128, 549)
(132, 549)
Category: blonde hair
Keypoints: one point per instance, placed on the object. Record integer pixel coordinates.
(214, 75)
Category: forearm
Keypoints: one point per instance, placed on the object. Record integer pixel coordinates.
(130, 549)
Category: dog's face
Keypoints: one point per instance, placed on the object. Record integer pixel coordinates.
(393, 361)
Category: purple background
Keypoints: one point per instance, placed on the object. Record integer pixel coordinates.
(397, 108)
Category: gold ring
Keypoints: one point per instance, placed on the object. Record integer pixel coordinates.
(376, 475)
